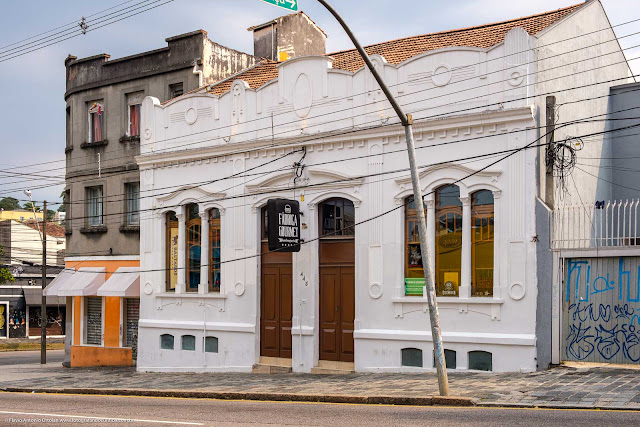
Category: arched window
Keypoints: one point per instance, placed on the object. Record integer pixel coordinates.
(482, 223)
(448, 240)
(337, 218)
(214, 252)
(413, 255)
(172, 243)
(194, 227)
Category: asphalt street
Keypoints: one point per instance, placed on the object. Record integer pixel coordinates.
(30, 357)
(51, 409)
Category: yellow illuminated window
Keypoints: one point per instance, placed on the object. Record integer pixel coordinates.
(482, 235)
(448, 240)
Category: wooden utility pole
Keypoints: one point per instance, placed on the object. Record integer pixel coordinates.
(43, 306)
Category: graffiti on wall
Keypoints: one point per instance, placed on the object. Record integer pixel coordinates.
(602, 310)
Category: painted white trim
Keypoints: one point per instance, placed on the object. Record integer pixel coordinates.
(306, 330)
(198, 325)
(101, 258)
(449, 300)
(598, 253)
(449, 337)
(210, 295)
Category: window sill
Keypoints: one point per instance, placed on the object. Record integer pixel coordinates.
(130, 229)
(94, 230)
(129, 139)
(68, 149)
(448, 300)
(191, 295)
(97, 144)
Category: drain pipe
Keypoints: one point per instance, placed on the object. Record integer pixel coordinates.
(197, 73)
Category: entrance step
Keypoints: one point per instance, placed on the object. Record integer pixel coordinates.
(326, 367)
(272, 365)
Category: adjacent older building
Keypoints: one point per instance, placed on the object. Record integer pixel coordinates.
(318, 130)
(102, 195)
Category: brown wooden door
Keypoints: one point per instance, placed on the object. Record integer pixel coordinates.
(337, 312)
(337, 299)
(276, 306)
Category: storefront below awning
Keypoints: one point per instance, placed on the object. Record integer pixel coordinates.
(124, 282)
(86, 282)
(33, 296)
(64, 277)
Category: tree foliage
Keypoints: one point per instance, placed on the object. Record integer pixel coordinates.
(5, 274)
(9, 204)
(28, 206)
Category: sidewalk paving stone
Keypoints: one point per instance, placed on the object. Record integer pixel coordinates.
(573, 387)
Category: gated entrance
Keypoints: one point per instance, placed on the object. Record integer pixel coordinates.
(601, 310)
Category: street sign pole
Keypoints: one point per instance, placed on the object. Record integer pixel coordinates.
(286, 4)
(407, 122)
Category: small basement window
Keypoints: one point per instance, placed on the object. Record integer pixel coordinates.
(189, 343)
(166, 342)
(480, 361)
(449, 359)
(211, 345)
(412, 357)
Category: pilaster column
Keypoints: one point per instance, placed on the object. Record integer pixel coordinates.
(431, 231)
(203, 287)
(182, 250)
(465, 276)
(497, 223)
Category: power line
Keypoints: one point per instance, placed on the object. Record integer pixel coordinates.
(493, 59)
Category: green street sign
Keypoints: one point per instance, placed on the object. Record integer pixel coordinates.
(287, 4)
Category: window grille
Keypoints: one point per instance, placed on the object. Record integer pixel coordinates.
(133, 204)
(94, 205)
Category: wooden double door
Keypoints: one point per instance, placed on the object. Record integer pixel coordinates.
(276, 305)
(337, 299)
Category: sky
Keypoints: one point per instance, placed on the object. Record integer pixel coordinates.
(32, 118)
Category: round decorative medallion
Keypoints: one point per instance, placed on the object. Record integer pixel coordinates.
(516, 78)
(238, 289)
(148, 288)
(375, 290)
(191, 116)
(441, 76)
(516, 291)
(147, 134)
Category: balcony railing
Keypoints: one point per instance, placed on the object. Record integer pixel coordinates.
(604, 224)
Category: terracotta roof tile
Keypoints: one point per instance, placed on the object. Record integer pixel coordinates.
(53, 230)
(397, 51)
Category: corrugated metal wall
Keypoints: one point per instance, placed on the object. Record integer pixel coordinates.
(601, 310)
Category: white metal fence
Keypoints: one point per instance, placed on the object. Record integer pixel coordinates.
(604, 224)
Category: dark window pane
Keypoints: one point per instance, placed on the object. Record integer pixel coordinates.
(448, 196)
(412, 357)
(211, 345)
(189, 342)
(349, 219)
(480, 361)
(166, 342)
(449, 359)
(482, 198)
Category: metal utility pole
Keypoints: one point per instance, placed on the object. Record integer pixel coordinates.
(407, 122)
(43, 306)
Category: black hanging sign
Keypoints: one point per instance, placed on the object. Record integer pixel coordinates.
(283, 222)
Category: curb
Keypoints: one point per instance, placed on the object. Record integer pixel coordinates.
(556, 406)
(275, 397)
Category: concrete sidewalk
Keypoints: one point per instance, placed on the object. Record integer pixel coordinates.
(561, 387)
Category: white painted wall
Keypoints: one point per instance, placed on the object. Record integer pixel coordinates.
(27, 246)
(195, 140)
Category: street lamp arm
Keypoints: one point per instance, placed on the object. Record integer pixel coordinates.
(367, 60)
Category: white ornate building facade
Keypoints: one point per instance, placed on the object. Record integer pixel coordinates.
(318, 130)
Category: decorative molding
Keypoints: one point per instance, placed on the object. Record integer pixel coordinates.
(179, 192)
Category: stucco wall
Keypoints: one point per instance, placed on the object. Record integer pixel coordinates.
(310, 103)
(578, 52)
